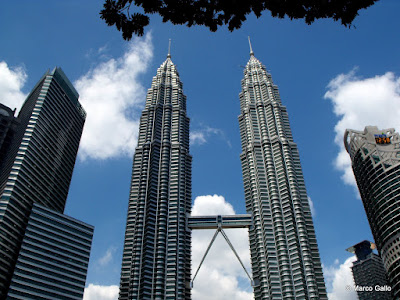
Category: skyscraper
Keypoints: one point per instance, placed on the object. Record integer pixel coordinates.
(375, 157)
(368, 271)
(284, 252)
(39, 163)
(156, 256)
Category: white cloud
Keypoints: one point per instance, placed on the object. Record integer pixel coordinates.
(197, 138)
(221, 275)
(312, 208)
(99, 292)
(202, 135)
(360, 102)
(11, 82)
(108, 256)
(339, 280)
(112, 96)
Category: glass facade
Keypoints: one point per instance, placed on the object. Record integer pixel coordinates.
(53, 259)
(375, 156)
(156, 256)
(39, 164)
(284, 252)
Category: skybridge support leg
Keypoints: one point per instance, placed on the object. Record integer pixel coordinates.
(233, 249)
(204, 257)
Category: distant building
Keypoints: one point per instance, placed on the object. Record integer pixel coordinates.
(38, 165)
(8, 127)
(283, 246)
(53, 259)
(369, 273)
(375, 157)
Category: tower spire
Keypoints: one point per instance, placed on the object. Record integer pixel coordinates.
(251, 49)
(169, 49)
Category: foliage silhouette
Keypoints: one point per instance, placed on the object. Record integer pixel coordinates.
(216, 13)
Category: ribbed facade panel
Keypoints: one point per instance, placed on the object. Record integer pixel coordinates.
(156, 257)
(283, 246)
(371, 273)
(53, 259)
(377, 171)
(39, 164)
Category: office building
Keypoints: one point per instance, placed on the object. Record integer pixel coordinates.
(375, 157)
(39, 163)
(369, 273)
(53, 259)
(156, 256)
(283, 246)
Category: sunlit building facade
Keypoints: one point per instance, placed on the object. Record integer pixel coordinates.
(375, 157)
(284, 252)
(156, 257)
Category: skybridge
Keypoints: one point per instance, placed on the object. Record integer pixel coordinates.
(220, 223)
(215, 222)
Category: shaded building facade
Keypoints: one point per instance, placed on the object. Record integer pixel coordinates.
(8, 127)
(375, 157)
(53, 259)
(38, 166)
(156, 256)
(284, 252)
(368, 271)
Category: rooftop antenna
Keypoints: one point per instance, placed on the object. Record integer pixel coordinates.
(169, 49)
(251, 49)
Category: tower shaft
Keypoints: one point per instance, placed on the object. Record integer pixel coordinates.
(375, 160)
(284, 251)
(156, 257)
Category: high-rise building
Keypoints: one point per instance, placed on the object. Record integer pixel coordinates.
(156, 257)
(369, 274)
(283, 246)
(53, 259)
(39, 163)
(375, 157)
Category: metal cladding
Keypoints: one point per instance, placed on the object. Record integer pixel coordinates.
(39, 162)
(283, 245)
(156, 258)
(53, 259)
(375, 156)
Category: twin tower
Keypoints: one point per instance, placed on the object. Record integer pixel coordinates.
(156, 261)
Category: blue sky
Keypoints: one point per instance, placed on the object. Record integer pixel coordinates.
(329, 77)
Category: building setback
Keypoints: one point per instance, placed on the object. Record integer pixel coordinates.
(156, 257)
(38, 166)
(368, 271)
(284, 252)
(375, 157)
(53, 259)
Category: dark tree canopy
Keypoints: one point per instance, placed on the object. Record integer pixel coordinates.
(215, 13)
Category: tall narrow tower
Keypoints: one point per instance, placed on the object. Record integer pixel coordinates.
(284, 251)
(156, 257)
